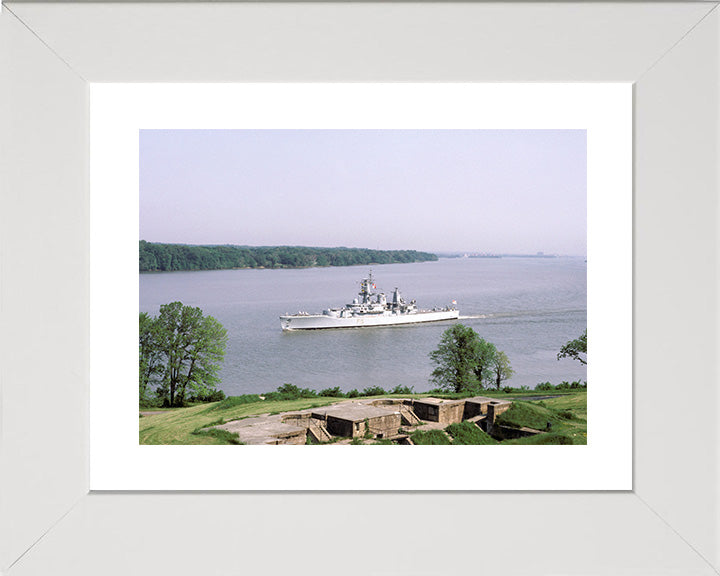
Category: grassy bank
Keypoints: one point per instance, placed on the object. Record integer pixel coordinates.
(567, 414)
(563, 419)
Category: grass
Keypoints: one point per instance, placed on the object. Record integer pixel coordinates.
(550, 438)
(430, 438)
(468, 433)
(567, 413)
(222, 436)
(567, 416)
(176, 426)
(528, 414)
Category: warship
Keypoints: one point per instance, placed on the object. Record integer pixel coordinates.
(370, 308)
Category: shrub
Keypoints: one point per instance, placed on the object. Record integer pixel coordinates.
(353, 393)
(469, 433)
(231, 401)
(402, 390)
(213, 396)
(290, 392)
(332, 392)
(368, 434)
(373, 391)
(430, 438)
(545, 387)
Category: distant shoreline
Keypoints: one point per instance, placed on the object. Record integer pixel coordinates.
(160, 257)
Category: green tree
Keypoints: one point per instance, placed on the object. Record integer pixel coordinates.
(575, 349)
(192, 348)
(150, 355)
(486, 357)
(501, 369)
(456, 359)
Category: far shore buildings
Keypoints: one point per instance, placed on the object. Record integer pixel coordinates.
(385, 418)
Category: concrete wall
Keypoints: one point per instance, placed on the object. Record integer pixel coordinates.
(495, 409)
(385, 425)
(296, 438)
(451, 413)
(341, 427)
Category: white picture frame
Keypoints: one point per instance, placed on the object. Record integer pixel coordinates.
(668, 523)
(119, 112)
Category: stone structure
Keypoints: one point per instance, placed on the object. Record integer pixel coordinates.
(266, 430)
(380, 418)
(439, 410)
(355, 419)
(497, 407)
(476, 406)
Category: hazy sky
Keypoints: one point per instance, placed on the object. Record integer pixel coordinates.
(435, 190)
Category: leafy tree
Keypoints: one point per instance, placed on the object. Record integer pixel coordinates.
(501, 369)
(575, 349)
(486, 359)
(456, 359)
(150, 355)
(191, 348)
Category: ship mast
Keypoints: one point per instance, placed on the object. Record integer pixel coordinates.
(366, 288)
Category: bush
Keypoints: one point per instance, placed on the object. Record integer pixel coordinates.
(468, 433)
(353, 393)
(213, 396)
(545, 387)
(373, 391)
(290, 392)
(332, 392)
(402, 390)
(567, 414)
(430, 438)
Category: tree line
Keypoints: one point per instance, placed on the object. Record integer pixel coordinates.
(157, 257)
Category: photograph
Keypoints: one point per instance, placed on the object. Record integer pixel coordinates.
(363, 286)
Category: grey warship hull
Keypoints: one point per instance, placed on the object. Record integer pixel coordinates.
(370, 309)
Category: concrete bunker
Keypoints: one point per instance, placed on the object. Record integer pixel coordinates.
(439, 410)
(355, 420)
(376, 419)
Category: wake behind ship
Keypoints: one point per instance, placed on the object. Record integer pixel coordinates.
(369, 309)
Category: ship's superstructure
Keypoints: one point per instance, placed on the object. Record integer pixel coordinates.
(370, 308)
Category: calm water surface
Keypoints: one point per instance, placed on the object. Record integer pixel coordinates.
(527, 307)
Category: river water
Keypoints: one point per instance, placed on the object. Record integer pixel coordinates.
(527, 307)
